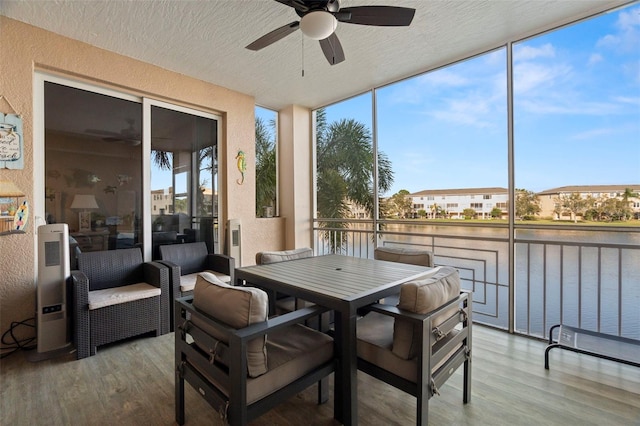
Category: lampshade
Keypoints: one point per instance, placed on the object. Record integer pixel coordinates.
(84, 202)
(318, 25)
(9, 189)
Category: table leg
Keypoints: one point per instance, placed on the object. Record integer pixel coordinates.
(346, 379)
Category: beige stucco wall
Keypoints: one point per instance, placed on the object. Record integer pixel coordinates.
(26, 49)
(295, 175)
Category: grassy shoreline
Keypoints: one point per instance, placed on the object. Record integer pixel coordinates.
(629, 223)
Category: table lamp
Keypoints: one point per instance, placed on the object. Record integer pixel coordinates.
(84, 203)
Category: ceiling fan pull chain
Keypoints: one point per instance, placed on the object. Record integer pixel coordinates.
(302, 40)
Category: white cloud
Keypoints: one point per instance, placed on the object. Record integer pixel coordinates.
(629, 19)
(568, 105)
(526, 53)
(474, 110)
(627, 36)
(595, 58)
(628, 100)
(593, 133)
(529, 76)
(443, 77)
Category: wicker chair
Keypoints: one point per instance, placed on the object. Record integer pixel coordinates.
(186, 261)
(115, 296)
(417, 345)
(222, 350)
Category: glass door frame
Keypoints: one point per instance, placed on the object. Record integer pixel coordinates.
(147, 104)
(41, 77)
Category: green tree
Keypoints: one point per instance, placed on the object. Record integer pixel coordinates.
(266, 180)
(628, 193)
(573, 203)
(469, 213)
(400, 204)
(345, 162)
(496, 213)
(437, 211)
(527, 204)
(422, 213)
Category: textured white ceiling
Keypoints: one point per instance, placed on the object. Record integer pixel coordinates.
(206, 39)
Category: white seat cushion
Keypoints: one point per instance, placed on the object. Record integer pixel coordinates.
(128, 293)
(188, 282)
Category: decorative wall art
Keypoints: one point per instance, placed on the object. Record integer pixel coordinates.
(242, 166)
(13, 212)
(11, 146)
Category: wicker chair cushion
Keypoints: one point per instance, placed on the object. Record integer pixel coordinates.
(266, 257)
(422, 296)
(128, 293)
(402, 255)
(188, 282)
(237, 307)
(375, 340)
(293, 352)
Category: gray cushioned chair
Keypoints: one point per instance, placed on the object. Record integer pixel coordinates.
(403, 255)
(115, 296)
(223, 351)
(281, 302)
(417, 345)
(186, 261)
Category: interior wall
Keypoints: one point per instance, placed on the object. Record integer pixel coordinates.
(32, 49)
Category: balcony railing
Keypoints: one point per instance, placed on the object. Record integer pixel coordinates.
(584, 277)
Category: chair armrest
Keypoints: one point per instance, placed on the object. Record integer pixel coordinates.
(175, 271)
(252, 331)
(395, 312)
(280, 321)
(157, 274)
(80, 292)
(222, 263)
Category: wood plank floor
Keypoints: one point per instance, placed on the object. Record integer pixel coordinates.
(131, 383)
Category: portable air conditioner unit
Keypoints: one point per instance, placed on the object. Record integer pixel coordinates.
(234, 240)
(51, 296)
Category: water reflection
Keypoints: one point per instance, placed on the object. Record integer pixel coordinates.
(583, 278)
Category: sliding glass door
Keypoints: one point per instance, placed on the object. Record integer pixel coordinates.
(184, 173)
(123, 171)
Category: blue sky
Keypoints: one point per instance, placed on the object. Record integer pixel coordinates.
(576, 113)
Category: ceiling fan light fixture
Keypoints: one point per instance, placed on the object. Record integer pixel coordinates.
(318, 24)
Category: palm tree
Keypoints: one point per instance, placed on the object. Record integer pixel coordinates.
(265, 165)
(345, 173)
(628, 193)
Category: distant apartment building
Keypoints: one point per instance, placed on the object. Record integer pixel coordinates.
(453, 202)
(599, 193)
(162, 201)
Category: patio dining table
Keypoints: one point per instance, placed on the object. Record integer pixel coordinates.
(341, 283)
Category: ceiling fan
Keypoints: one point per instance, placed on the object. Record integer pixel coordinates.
(319, 19)
(128, 135)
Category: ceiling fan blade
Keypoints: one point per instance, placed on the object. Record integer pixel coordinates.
(332, 49)
(385, 16)
(296, 4)
(274, 36)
